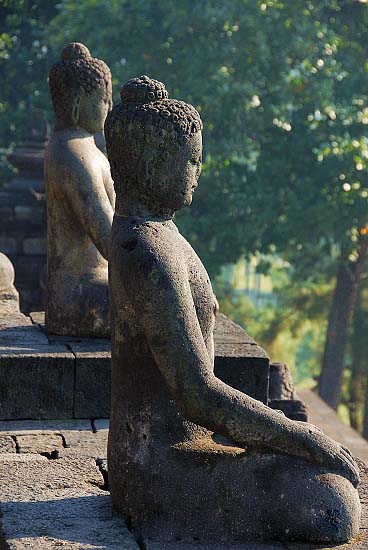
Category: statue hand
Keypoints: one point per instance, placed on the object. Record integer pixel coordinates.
(325, 451)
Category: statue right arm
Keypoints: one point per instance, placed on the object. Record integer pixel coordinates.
(157, 285)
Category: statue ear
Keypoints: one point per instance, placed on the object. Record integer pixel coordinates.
(75, 103)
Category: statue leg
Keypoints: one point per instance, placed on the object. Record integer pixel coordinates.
(304, 502)
(231, 495)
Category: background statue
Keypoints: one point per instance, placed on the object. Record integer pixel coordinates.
(80, 197)
(9, 298)
(188, 455)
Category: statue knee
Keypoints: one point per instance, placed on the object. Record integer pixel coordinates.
(321, 508)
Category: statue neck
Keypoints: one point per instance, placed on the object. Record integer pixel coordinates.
(132, 206)
(62, 125)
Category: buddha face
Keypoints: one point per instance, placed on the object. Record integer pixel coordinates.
(93, 109)
(176, 178)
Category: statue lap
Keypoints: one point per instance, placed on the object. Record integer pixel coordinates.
(178, 481)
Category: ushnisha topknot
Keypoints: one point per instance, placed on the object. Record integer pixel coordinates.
(74, 51)
(143, 90)
(146, 102)
(76, 72)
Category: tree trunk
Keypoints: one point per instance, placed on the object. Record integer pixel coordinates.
(347, 281)
(365, 423)
(359, 350)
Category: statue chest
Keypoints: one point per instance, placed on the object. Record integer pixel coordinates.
(203, 297)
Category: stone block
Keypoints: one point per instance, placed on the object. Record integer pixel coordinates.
(27, 427)
(33, 214)
(84, 443)
(6, 213)
(92, 379)
(28, 271)
(37, 317)
(152, 545)
(36, 383)
(22, 337)
(100, 424)
(49, 504)
(239, 361)
(35, 246)
(8, 245)
(48, 445)
(292, 408)
(7, 444)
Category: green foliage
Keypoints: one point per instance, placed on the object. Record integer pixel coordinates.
(280, 86)
(292, 326)
(25, 58)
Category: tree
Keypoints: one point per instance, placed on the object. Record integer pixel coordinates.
(280, 86)
(25, 58)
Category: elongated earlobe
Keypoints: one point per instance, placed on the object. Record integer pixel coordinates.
(75, 100)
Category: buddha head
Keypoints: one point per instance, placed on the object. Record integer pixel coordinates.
(154, 145)
(80, 88)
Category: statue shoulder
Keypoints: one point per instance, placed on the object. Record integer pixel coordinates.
(147, 251)
(67, 154)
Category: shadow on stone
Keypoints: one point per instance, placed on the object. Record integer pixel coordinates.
(86, 520)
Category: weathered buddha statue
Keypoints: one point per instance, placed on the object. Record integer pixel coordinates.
(80, 197)
(191, 458)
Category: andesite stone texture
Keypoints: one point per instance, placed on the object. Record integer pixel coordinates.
(23, 215)
(80, 197)
(49, 504)
(9, 297)
(33, 365)
(63, 502)
(282, 394)
(190, 457)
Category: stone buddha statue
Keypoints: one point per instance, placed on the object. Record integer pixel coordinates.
(191, 458)
(80, 197)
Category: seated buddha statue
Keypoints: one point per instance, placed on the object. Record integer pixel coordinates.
(191, 458)
(80, 197)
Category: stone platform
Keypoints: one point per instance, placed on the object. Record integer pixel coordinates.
(50, 377)
(54, 493)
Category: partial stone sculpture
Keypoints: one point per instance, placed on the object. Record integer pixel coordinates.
(80, 197)
(9, 298)
(191, 458)
(23, 213)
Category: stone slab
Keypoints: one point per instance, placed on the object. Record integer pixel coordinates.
(149, 545)
(26, 427)
(228, 331)
(100, 424)
(37, 317)
(359, 543)
(86, 444)
(13, 318)
(21, 337)
(47, 377)
(48, 445)
(48, 504)
(7, 444)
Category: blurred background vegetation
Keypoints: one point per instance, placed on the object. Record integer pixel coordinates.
(281, 216)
